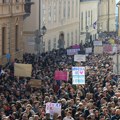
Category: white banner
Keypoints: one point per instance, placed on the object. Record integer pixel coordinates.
(97, 43)
(98, 49)
(53, 108)
(79, 58)
(78, 75)
(72, 51)
(88, 50)
(116, 64)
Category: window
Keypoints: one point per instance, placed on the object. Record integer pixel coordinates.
(5, 1)
(54, 43)
(72, 38)
(76, 36)
(72, 8)
(3, 41)
(91, 17)
(49, 12)
(86, 19)
(60, 10)
(82, 21)
(54, 11)
(64, 10)
(17, 1)
(68, 37)
(77, 8)
(44, 12)
(16, 38)
(68, 9)
(49, 45)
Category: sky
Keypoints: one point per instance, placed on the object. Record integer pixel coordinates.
(116, 7)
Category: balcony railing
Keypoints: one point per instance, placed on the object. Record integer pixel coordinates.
(7, 9)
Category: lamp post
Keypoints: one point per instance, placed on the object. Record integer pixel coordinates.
(100, 31)
(39, 39)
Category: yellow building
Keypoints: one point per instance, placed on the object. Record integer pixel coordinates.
(106, 15)
(60, 17)
(11, 27)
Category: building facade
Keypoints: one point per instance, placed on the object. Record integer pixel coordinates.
(60, 17)
(106, 16)
(88, 20)
(118, 21)
(11, 27)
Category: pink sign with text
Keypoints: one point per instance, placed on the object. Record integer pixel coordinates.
(61, 75)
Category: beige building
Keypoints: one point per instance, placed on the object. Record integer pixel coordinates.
(60, 17)
(118, 5)
(11, 26)
(106, 17)
(88, 19)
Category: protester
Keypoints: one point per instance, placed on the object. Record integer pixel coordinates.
(96, 100)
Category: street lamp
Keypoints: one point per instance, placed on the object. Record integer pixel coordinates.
(99, 32)
(39, 39)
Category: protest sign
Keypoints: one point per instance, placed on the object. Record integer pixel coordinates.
(79, 58)
(22, 70)
(107, 48)
(53, 108)
(98, 49)
(114, 49)
(35, 83)
(76, 46)
(111, 41)
(97, 43)
(72, 51)
(116, 65)
(78, 75)
(61, 75)
(118, 48)
(88, 50)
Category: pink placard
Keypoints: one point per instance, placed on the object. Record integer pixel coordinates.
(75, 46)
(61, 75)
(107, 48)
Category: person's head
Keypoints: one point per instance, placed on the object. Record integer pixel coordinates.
(81, 117)
(35, 117)
(59, 118)
(69, 113)
(117, 112)
(13, 107)
(96, 113)
(102, 117)
(92, 115)
(28, 107)
(55, 116)
(47, 115)
(25, 116)
(80, 106)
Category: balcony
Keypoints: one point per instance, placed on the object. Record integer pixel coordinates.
(10, 9)
(5, 10)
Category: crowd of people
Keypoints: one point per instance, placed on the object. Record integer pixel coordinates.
(98, 99)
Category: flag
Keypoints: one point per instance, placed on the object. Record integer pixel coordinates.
(95, 25)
